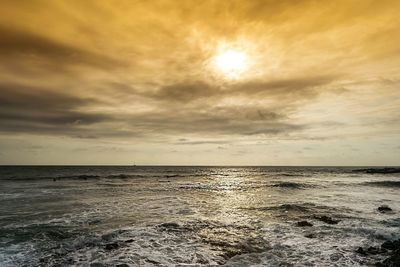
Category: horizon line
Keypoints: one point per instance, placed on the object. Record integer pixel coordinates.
(172, 165)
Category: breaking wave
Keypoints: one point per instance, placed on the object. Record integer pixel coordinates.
(392, 184)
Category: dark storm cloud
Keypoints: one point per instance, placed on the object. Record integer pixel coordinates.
(29, 109)
(16, 43)
(184, 92)
(17, 96)
(290, 88)
(212, 121)
(34, 110)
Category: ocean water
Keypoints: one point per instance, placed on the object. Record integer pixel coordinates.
(193, 216)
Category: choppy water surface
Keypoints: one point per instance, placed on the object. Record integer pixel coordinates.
(190, 216)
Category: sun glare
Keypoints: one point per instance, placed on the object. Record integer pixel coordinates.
(232, 63)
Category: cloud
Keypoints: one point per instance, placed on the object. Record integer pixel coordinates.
(17, 44)
(35, 110)
(202, 142)
(209, 122)
(294, 87)
(184, 92)
(290, 89)
(32, 109)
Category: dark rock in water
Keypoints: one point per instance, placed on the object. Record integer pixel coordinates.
(304, 224)
(336, 256)
(111, 246)
(129, 240)
(288, 185)
(171, 225)
(379, 170)
(94, 222)
(152, 261)
(374, 250)
(361, 251)
(122, 265)
(326, 219)
(311, 235)
(371, 251)
(384, 208)
(392, 261)
(86, 177)
(110, 236)
(391, 245)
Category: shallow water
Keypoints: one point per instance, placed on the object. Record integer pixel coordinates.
(190, 216)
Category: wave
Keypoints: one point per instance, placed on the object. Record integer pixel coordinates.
(198, 187)
(241, 187)
(228, 240)
(379, 170)
(37, 231)
(303, 208)
(395, 222)
(124, 176)
(393, 184)
(288, 207)
(292, 185)
(173, 175)
(119, 176)
(215, 244)
(54, 178)
(293, 174)
(84, 177)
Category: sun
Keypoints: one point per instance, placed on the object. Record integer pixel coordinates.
(232, 63)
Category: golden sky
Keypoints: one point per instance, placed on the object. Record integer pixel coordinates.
(112, 82)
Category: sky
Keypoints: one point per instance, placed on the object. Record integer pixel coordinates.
(123, 82)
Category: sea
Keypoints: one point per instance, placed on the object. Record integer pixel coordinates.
(195, 216)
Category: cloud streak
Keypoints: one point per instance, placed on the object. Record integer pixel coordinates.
(17, 44)
(27, 109)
